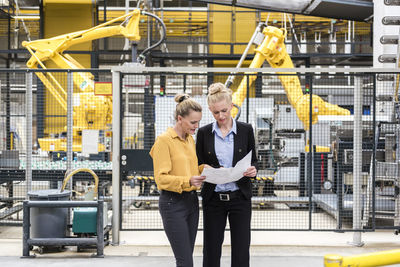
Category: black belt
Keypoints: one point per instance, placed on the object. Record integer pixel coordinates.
(176, 194)
(227, 196)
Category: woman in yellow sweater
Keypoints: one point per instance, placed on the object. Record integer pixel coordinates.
(177, 175)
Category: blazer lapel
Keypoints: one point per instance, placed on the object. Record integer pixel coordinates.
(236, 146)
(211, 147)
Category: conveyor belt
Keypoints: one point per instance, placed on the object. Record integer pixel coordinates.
(10, 211)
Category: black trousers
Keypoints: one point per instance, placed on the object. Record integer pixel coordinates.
(180, 216)
(215, 213)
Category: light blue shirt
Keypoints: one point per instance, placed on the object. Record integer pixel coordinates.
(224, 151)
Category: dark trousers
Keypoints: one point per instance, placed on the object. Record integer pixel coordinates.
(180, 216)
(215, 213)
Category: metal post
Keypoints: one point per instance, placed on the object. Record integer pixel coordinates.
(40, 96)
(148, 116)
(8, 108)
(100, 229)
(376, 135)
(134, 52)
(126, 45)
(8, 92)
(28, 112)
(210, 75)
(115, 156)
(184, 83)
(104, 20)
(357, 161)
(247, 98)
(310, 165)
(25, 229)
(70, 93)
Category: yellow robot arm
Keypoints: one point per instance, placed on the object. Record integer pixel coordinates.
(93, 111)
(48, 49)
(274, 51)
(52, 49)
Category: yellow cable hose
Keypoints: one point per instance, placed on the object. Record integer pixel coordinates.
(274, 51)
(68, 175)
(381, 258)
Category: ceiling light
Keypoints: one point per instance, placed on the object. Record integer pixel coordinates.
(27, 17)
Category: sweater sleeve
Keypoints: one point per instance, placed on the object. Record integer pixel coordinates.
(201, 168)
(162, 164)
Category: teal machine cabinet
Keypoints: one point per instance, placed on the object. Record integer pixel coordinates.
(85, 220)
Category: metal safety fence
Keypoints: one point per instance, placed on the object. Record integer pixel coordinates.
(305, 177)
(35, 128)
(309, 126)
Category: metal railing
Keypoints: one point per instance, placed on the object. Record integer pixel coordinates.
(97, 241)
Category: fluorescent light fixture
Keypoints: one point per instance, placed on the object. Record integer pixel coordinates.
(358, 10)
(288, 5)
(26, 17)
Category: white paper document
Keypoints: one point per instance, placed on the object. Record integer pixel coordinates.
(227, 175)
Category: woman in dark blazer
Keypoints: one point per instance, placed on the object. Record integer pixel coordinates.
(222, 144)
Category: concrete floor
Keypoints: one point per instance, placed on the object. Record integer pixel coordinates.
(150, 248)
(124, 261)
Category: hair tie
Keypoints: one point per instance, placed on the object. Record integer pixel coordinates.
(183, 98)
(215, 91)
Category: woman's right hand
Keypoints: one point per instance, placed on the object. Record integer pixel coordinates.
(196, 180)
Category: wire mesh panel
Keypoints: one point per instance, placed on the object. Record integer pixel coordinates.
(381, 193)
(332, 145)
(91, 100)
(49, 129)
(305, 176)
(279, 195)
(12, 143)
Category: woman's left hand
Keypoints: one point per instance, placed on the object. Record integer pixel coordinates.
(250, 172)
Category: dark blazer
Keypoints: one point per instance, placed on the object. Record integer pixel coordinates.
(243, 143)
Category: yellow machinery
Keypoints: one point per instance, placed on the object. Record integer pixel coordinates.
(382, 258)
(273, 49)
(90, 111)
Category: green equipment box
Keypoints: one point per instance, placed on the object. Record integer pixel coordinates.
(85, 221)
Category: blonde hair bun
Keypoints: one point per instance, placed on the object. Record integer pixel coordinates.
(179, 98)
(214, 90)
(184, 105)
(218, 92)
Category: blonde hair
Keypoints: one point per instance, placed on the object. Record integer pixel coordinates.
(218, 92)
(185, 105)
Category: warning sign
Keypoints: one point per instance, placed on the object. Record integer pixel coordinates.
(103, 88)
